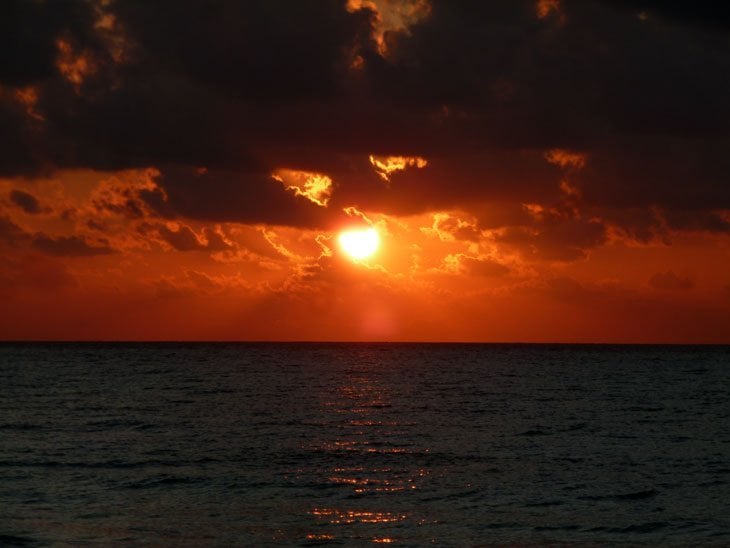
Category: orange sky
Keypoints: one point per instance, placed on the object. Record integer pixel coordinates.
(436, 276)
(215, 214)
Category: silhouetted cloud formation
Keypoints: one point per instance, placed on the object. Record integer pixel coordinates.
(56, 246)
(483, 90)
(25, 201)
(68, 246)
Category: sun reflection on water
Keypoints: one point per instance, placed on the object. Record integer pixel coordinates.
(314, 536)
(381, 464)
(336, 516)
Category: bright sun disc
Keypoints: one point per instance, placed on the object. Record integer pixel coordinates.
(359, 244)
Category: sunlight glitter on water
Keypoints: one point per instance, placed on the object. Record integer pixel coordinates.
(337, 516)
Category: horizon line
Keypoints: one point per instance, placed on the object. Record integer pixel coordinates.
(353, 342)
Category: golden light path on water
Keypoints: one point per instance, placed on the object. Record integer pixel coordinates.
(376, 461)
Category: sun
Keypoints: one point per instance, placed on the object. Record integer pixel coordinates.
(359, 243)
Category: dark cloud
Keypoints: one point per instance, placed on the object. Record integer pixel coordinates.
(25, 201)
(68, 246)
(483, 90)
(185, 239)
(263, 51)
(28, 35)
(556, 239)
(676, 173)
(462, 179)
(705, 13)
(712, 221)
(225, 195)
(17, 153)
(55, 246)
(639, 224)
(483, 266)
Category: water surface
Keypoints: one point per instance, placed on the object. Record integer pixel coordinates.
(312, 444)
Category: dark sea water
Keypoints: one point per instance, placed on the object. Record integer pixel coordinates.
(355, 444)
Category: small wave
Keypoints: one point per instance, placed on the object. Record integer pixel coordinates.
(110, 424)
(712, 483)
(95, 515)
(21, 427)
(15, 540)
(637, 495)
(557, 528)
(104, 464)
(534, 433)
(690, 525)
(679, 439)
(644, 409)
(160, 481)
(642, 528)
(504, 525)
(213, 391)
(621, 436)
(544, 504)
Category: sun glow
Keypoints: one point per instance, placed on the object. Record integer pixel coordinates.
(359, 243)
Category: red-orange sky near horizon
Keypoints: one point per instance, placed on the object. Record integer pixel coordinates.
(527, 180)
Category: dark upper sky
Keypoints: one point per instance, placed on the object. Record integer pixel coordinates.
(479, 88)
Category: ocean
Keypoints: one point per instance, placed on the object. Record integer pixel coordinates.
(174, 444)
